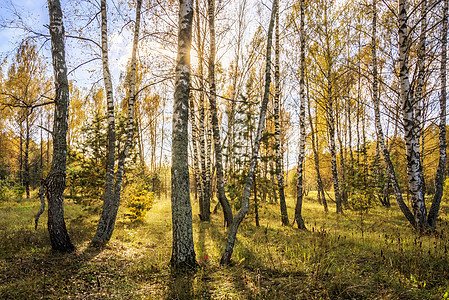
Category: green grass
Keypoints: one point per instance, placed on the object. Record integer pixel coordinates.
(371, 256)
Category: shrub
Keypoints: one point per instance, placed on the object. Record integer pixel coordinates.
(10, 191)
(138, 199)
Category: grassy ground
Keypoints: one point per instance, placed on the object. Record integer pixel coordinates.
(374, 256)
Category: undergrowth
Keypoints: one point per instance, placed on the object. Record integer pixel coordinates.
(373, 255)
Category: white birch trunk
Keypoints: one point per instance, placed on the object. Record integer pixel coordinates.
(411, 143)
(302, 126)
(56, 180)
(439, 177)
(277, 130)
(106, 224)
(227, 211)
(226, 258)
(380, 136)
(183, 251)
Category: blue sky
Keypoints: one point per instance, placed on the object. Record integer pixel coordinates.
(34, 14)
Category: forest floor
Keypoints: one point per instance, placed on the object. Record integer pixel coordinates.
(351, 256)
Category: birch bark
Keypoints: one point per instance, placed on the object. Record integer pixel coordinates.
(183, 252)
(439, 177)
(411, 143)
(55, 182)
(380, 136)
(227, 211)
(302, 126)
(112, 192)
(277, 130)
(226, 258)
(106, 224)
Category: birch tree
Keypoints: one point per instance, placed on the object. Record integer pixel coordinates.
(277, 129)
(107, 219)
(183, 252)
(55, 182)
(379, 131)
(226, 258)
(112, 190)
(409, 122)
(302, 126)
(227, 211)
(439, 177)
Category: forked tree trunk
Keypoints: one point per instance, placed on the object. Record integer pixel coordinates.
(411, 143)
(111, 202)
(439, 177)
(106, 223)
(183, 251)
(302, 126)
(130, 124)
(277, 129)
(227, 211)
(226, 258)
(380, 136)
(55, 181)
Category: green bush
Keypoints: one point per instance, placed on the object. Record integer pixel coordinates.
(138, 199)
(10, 191)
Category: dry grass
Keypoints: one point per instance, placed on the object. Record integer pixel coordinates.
(373, 256)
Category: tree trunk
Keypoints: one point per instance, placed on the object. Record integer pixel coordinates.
(21, 152)
(204, 212)
(419, 98)
(331, 128)
(277, 129)
(380, 136)
(439, 177)
(26, 174)
(55, 182)
(320, 188)
(256, 205)
(226, 258)
(183, 251)
(107, 219)
(196, 162)
(130, 125)
(227, 211)
(411, 143)
(302, 126)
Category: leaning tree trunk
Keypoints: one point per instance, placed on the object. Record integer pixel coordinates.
(107, 219)
(302, 127)
(411, 144)
(130, 126)
(380, 136)
(277, 129)
(55, 181)
(226, 258)
(183, 251)
(439, 177)
(227, 211)
(320, 187)
(196, 162)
